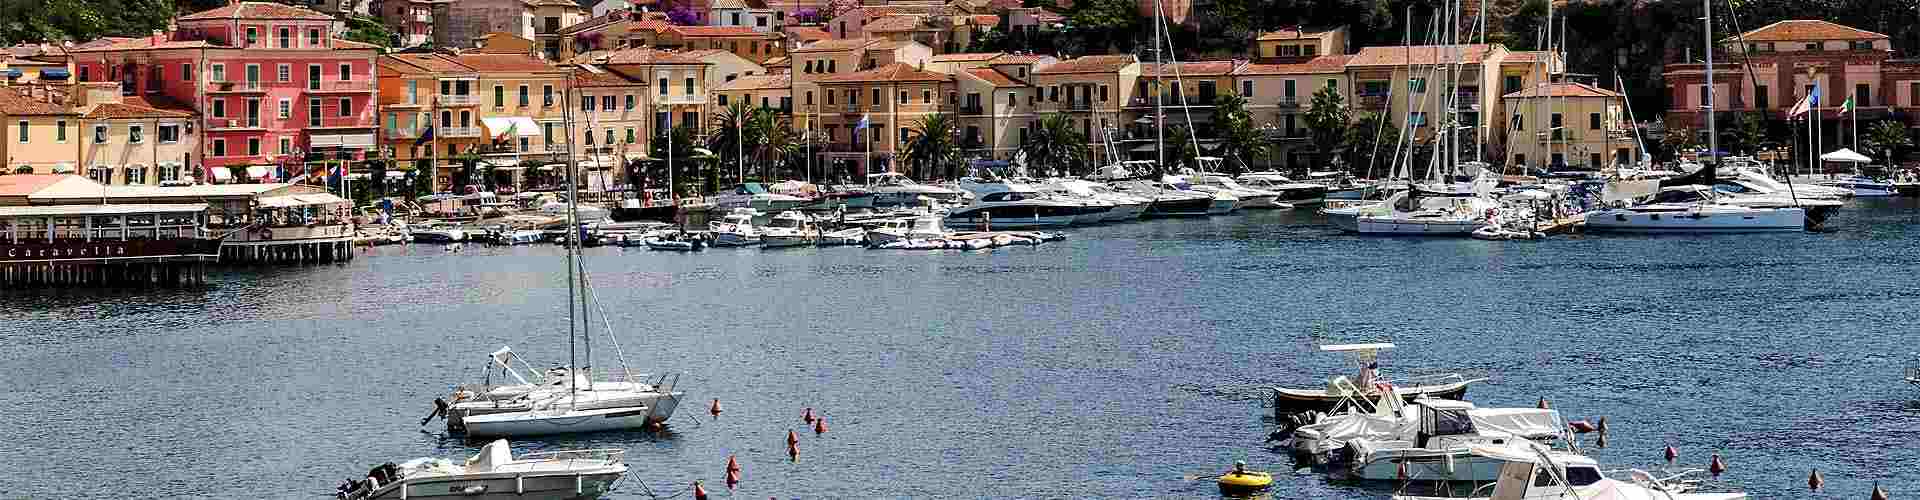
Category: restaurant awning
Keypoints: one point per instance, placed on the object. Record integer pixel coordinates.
(54, 74)
(519, 125)
(222, 174)
(258, 172)
(300, 200)
(341, 140)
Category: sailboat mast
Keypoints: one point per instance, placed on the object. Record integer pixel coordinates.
(1159, 96)
(573, 244)
(1713, 139)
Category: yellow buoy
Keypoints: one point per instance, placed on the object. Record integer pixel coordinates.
(1244, 482)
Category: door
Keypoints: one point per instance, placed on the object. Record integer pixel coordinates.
(313, 77)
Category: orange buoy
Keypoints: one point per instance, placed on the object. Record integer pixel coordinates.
(1878, 492)
(1814, 481)
(715, 410)
(1672, 454)
(1582, 426)
(1716, 466)
(733, 478)
(699, 492)
(1543, 403)
(819, 426)
(732, 465)
(806, 415)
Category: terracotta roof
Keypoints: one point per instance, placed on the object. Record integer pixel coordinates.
(350, 44)
(894, 23)
(257, 10)
(1563, 89)
(1421, 55)
(893, 10)
(649, 55)
(1087, 64)
(719, 31)
(584, 77)
(836, 45)
(1526, 56)
(145, 42)
(779, 62)
(967, 57)
(1796, 30)
(896, 72)
(891, 45)
(739, 4)
(702, 53)
(595, 22)
(1021, 59)
(27, 184)
(503, 62)
(1295, 33)
(984, 20)
(808, 33)
(1191, 68)
(994, 77)
(141, 107)
(425, 63)
(1304, 66)
(18, 100)
(757, 82)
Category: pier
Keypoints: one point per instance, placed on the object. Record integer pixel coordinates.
(251, 223)
(105, 245)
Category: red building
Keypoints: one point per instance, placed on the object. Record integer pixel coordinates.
(272, 87)
(1769, 69)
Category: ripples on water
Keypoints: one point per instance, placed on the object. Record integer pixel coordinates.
(1111, 364)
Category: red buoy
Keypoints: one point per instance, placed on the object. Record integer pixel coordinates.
(699, 492)
(732, 465)
(1400, 471)
(1672, 454)
(733, 478)
(1582, 426)
(819, 426)
(1543, 403)
(1716, 466)
(806, 415)
(715, 410)
(1814, 481)
(1878, 492)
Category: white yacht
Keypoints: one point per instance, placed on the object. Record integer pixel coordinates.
(1012, 205)
(756, 196)
(1752, 181)
(1222, 202)
(1292, 193)
(1415, 212)
(1862, 185)
(587, 213)
(526, 389)
(1167, 201)
(1249, 197)
(1432, 439)
(1532, 471)
(735, 229)
(1696, 217)
(923, 227)
(891, 189)
(1125, 206)
(788, 229)
(494, 473)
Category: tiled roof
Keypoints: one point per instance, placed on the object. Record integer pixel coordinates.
(719, 31)
(984, 20)
(1191, 68)
(141, 43)
(503, 62)
(257, 10)
(893, 23)
(892, 10)
(27, 184)
(350, 44)
(836, 45)
(778, 62)
(1795, 30)
(1087, 64)
(896, 72)
(994, 77)
(1313, 66)
(1294, 33)
(967, 57)
(1021, 59)
(649, 55)
(18, 100)
(141, 107)
(595, 22)
(426, 63)
(757, 82)
(1421, 55)
(584, 77)
(703, 53)
(808, 33)
(885, 45)
(1574, 89)
(739, 4)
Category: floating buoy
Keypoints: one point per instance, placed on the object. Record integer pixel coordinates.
(733, 478)
(1716, 466)
(1672, 454)
(1602, 441)
(806, 415)
(1582, 426)
(793, 449)
(1243, 482)
(715, 410)
(819, 426)
(732, 465)
(1400, 471)
(1543, 403)
(792, 438)
(1878, 492)
(1814, 481)
(699, 492)
(1603, 424)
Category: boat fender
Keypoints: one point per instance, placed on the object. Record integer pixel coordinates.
(473, 490)
(806, 415)
(1672, 454)
(1878, 492)
(699, 491)
(1716, 466)
(1582, 426)
(820, 425)
(1815, 481)
(715, 411)
(733, 479)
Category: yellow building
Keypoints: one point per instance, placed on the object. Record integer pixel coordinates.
(41, 129)
(549, 17)
(1410, 83)
(1094, 91)
(428, 113)
(1279, 94)
(1300, 42)
(133, 140)
(1569, 124)
(891, 100)
(678, 95)
(761, 91)
(611, 121)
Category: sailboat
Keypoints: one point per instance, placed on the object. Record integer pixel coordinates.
(562, 399)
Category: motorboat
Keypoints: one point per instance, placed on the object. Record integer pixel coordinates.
(1166, 201)
(1249, 197)
(735, 229)
(494, 473)
(1533, 471)
(522, 237)
(1862, 185)
(787, 229)
(1696, 217)
(1415, 211)
(924, 227)
(1011, 205)
(842, 198)
(1341, 391)
(1340, 186)
(552, 394)
(848, 236)
(892, 189)
(1752, 181)
(672, 241)
(1431, 440)
(439, 232)
(656, 205)
(1125, 206)
(1220, 202)
(755, 196)
(586, 213)
(1292, 193)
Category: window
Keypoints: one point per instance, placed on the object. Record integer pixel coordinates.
(1419, 119)
(1374, 89)
(136, 175)
(313, 37)
(1286, 89)
(253, 36)
(606, 103)
(169, 134)
(609, 137)
(829, 97)
(1861, 45)
(525, 144)
(832, 66)
(253, 146)
(346, 72)
(589, 137)
(1861, 95)
(286, 145)
(313, 112)
(1593, 121)
(219, 147)
(546, 95)
(1760, 97)
(83, 73)
(786, 103)
(1555, 122)
(60, 131)
(1309, 50)
(219, 73)
(902, 136)
(285, 38)
(136, 134)
(663, 86)
(253, 74)
(219, 108)
(284, 73)
(1510, 84)
(723, 100)
(903, 97)
(499, 96)
(253, 112)
(1246, 88)
(523, 96)
(629, 135)
(286, 109)
(313, 77)
(1593, 160)
(586, 103)
(809, 68)
(1103, 93)
(1417, 85)
(1022, 70)
(810, 97)
(546, 132)
(688, 86)
(186, 72)
(878, 98)
(23, 131)
(1053, 93)
(629, 102)
(1813, 46)
(346, 106)
(926, 97)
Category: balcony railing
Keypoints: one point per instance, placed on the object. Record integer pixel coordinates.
(1289, 102)
(680, 99)
(231, 124)
(342, 121)
(852, 108)
(1556, 135)
(401, 133)
(457, 99)
(341, 86)
(241, 86)
(1079, 105)
(458, 131)
(971, 109)
(1373, 101)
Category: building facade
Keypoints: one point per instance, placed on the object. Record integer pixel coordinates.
(1770, 69)
(1569, 124)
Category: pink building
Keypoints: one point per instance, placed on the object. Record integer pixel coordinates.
(270, 84)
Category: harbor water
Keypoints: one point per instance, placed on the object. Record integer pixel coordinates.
(1111, 364)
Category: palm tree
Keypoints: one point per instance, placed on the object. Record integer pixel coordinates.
(932, 146)
(737, 130)
(1055, 145)
(1239, 138)
(1180, 149)
(1885, 137)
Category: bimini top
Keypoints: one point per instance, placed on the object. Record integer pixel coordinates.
(1378, 346)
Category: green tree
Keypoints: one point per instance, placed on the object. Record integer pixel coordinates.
(1679, 140)
(1103, 26)
(685, 168)
(1240, 140)
(1375, 141)
(933, 147)
(1181, 152)
(1327, 120)
(368, 30)
(1744, 134)
(1055, 146)
(1885, 137)
(736, 131)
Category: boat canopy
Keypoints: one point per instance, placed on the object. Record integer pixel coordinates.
(1356, 347)
(494, 454)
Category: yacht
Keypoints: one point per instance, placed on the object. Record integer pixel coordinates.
(1292, 193)
(1532, 471)
(756, 196)
(1125, 206)
(1752, 181)
(438, 232)
(1862, 185)
(788, 229)
(527, 390)
(586, 213)
(1011, 205)
(1432, 439)
(1166, 201)
(1415, 211)
(735, 229)
(494, 473)
(1696, 217)
(655, 206)
(1249, 197)
(1219, 202)
(891, 189)
(1340, 186)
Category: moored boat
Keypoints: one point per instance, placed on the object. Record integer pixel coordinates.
(494, 473)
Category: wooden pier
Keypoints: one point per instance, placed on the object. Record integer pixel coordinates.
(105, 245)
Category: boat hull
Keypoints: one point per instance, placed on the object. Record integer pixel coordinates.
(783, 241)
(724, 239)
(503, 486)
(1194, 207)
(662, 213)
(1630, 221)
(1290, 401)
(1427, 465)
(541, 423)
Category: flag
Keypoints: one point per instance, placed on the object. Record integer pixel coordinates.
(506, 133)
(1800, 108)
(1847, 107)
(424, 137)
(864, 123)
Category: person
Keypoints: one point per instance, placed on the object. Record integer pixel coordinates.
(1239, 467)
(1368, 374)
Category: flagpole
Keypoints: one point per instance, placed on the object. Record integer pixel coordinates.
(1853, 115)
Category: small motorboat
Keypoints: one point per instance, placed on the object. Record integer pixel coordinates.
(494, 473)
(673, 242)
(788, 229)
(736, 229)
(1288, 401)
(849, 236)
(522, 237)
(1530, 470)
(1241, 482)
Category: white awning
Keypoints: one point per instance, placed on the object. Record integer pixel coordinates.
(519, 125)
(357, 140)
(324, 141)
(222, 174)
(300, 200)
(257, 171)
(1846, 156)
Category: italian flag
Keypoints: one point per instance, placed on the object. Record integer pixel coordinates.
(1847, 107)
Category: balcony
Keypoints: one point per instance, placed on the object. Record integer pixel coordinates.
(1373, 101)
(852, 108)
(1557, 135)
(1079, 105)
(1168, 100)
(341, 122)
(233, 124)
(339, 86)
(971, 109)
(458, 132)
(680, 99)
(400, 133)
(457, 99)
(242, 87)
(1289, 102)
